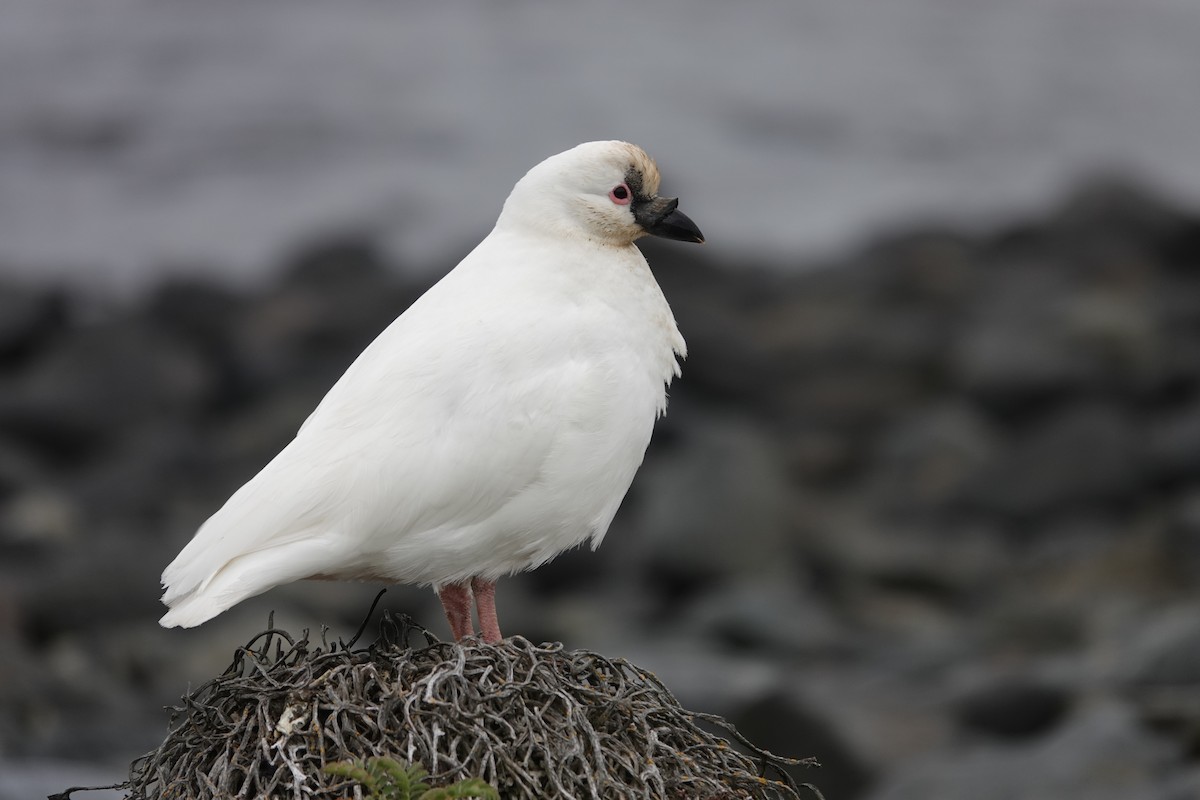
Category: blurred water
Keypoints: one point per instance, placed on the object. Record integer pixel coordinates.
(145, 135)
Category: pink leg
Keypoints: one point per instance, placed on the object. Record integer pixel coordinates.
(485, 604)
(456, 601)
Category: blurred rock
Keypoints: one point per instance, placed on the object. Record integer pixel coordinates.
(1101, 755)
(932, 505)
(738, 516)
(334, 297)
(1182, 536)
(719, 310)
(769, 616)
(777, 722)
(89, 388)
(1161, 673)
(1173, 446)
(1107, 210)
(39, 515)
(925, 463)
(28, 318)
(98, 581)
(205, 318)
(18, 469)
(909, 575)
(1013, 709)
(37, 778)
(1083, 455)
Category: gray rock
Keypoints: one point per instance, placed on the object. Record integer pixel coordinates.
(815, 454)
(43, 515)
(1177, 309)
(1173, 446)
(1013, 351)
(335, 296)
(1013, 709)
(29, 317)
(1102, 754)
(1161, 672)
(700, 677)
(96, 582)
(90, 387)
(853, 395)
(19, 470)
(720, 314)
(771, 616)
(1181, 536)
(37, 778)
(710, 503)
(1109, 209)
(781, 724)
(909, 575)
(1081, 456)
(1114, 332)
(925, 462)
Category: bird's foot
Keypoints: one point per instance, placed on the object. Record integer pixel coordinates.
(485, 604)
(456, 602)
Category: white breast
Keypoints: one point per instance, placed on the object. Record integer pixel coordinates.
(548, 388)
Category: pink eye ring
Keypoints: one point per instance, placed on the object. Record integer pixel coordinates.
(621, 195)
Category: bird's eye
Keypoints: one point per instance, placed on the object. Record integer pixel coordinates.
(621, 195)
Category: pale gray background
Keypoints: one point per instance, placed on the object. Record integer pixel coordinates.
(138, 136)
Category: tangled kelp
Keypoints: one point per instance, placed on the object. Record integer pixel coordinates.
(534, 721)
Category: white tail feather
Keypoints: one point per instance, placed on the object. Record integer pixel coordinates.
(246, 576)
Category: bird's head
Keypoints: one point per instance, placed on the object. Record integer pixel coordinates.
(605, 191)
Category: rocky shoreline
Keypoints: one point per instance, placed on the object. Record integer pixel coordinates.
(929, 512)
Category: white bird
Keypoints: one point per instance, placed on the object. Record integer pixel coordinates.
(495, 423)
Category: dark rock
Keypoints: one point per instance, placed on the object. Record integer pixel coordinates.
(336, 261)
(769, 615)
(1013, 352)
(22, 691)
(205, 318)
(195, 311)
(718, 312)
(932, 269)
(28, 318)
(91, 387)
(1039, 333)
(1013, 709)
(816, 455)
(1082, 456)
(37, 778)
(777, 722)
(901, 575)
(925, 462)
(1102, 754)
(1161, 673)
(1109, 210)
(39, 516)
(709, 505)
(1182, 537)
(852, 396)
(18, 469)
(1177, 316)
(95, 587)
(1173, 446)
(837, 359)
(335, 297)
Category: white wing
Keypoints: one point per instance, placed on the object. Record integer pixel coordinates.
(433, 425)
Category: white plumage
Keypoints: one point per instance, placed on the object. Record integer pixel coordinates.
(497, 422)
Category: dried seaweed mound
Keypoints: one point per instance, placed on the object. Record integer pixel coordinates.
(534, 721)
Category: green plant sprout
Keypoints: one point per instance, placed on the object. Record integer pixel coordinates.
(387, 779)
